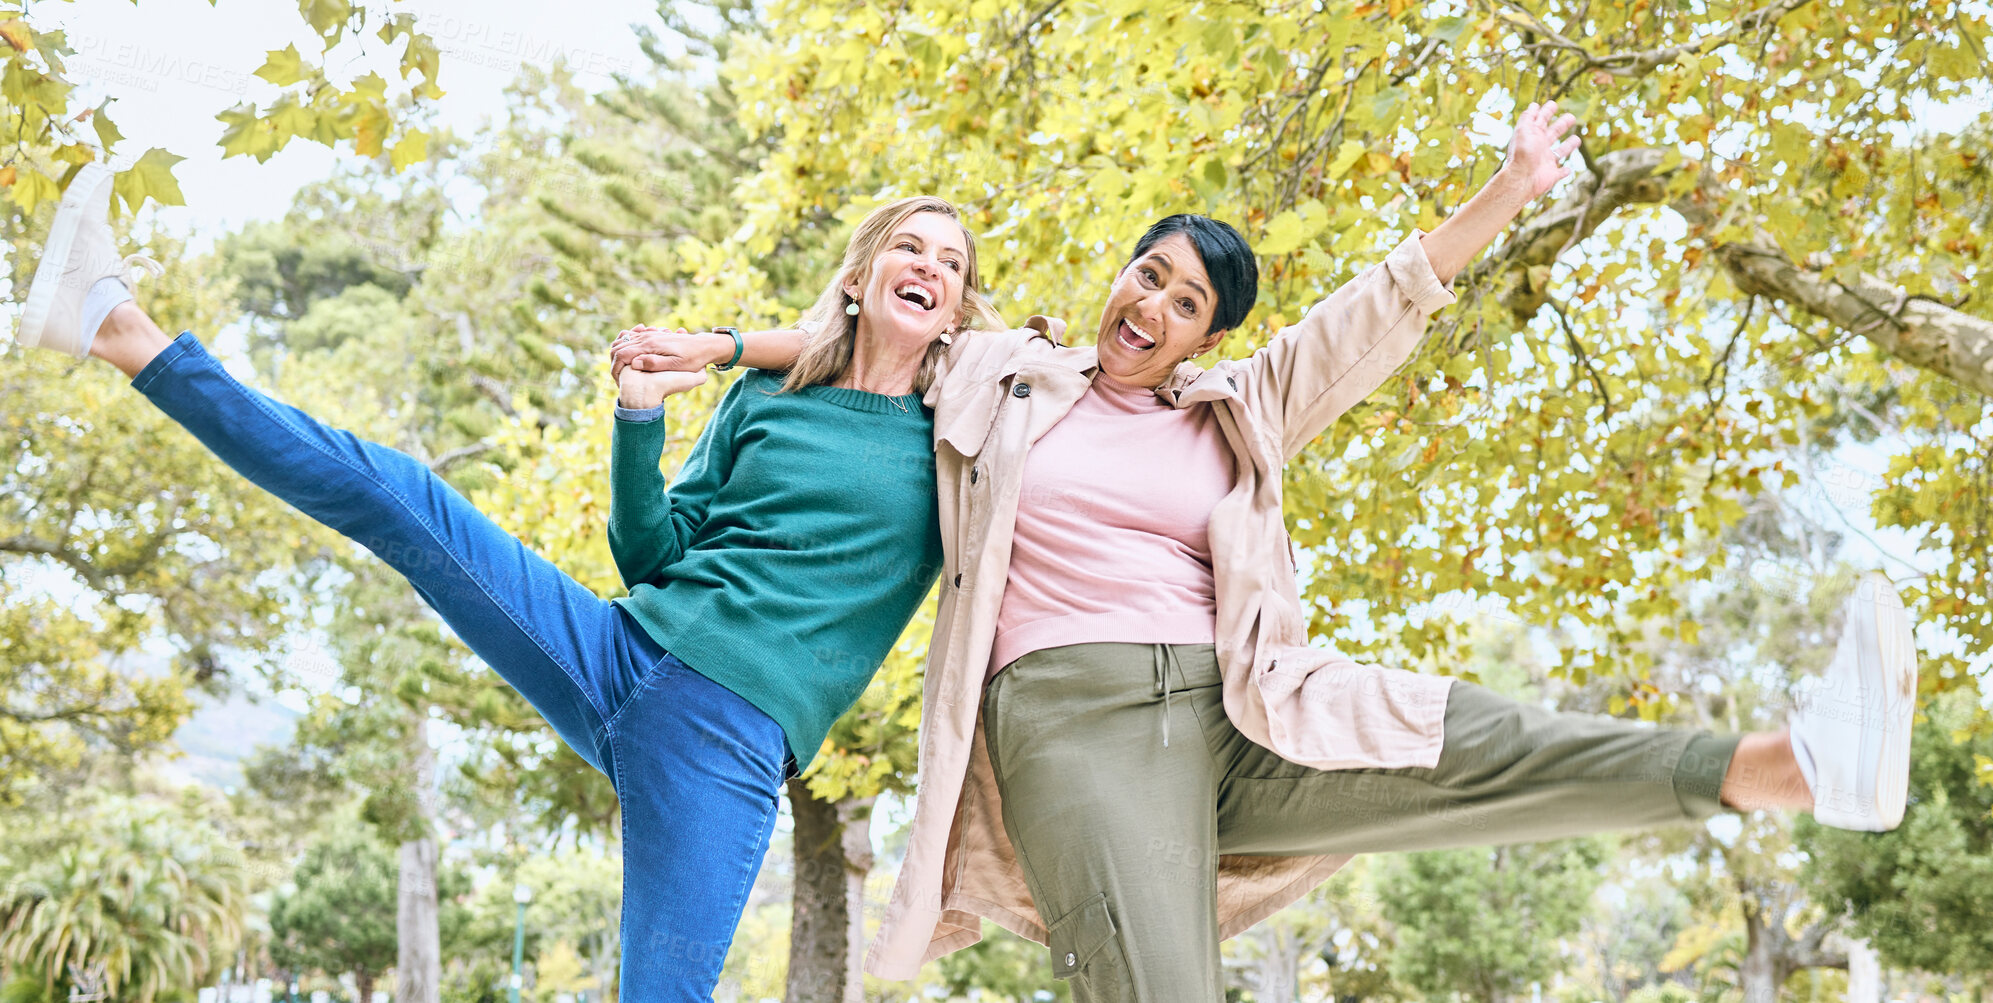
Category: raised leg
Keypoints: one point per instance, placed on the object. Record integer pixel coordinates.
(1509, 773)
(573, 655)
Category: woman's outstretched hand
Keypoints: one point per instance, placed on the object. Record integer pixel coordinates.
(1539, 148)
(637, 388)
(1535, 165)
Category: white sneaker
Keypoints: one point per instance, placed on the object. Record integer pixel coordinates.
(1851, 731)
(80, 251)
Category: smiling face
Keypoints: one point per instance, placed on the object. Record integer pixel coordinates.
(1158, 314)
(912, 290)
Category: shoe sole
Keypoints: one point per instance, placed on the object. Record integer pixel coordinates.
(54, 263)
(1896, 650)
(1886, 649)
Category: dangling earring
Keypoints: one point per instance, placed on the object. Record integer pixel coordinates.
(851, 308)
(947, 337)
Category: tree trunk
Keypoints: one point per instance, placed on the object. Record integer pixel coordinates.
(418, 966)
(1864, 973)
(363, 986)
(827, 928)
(1760, 972)
(1277, 976)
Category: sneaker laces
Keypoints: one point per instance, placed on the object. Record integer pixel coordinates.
(136, 263)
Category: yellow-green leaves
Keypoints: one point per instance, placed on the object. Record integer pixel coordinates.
(1292, 228)
(31, 188)
(314, 107)
(16, 33)
(411, 148)
(284, 66)
(1579, 430)
(151, 177)
(327, 17)
(40, 128)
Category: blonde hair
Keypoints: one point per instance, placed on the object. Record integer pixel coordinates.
(834, 333)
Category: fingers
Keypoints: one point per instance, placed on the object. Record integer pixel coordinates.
(1564, 149)
(1543, 114)
(678, 383)
(654, 363)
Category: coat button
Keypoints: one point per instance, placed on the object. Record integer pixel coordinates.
(1071, 959)
(1021, 390)
(1234, 384)
(975, 472)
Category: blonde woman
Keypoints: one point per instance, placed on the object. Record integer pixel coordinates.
(766, 584)
(1129, 748)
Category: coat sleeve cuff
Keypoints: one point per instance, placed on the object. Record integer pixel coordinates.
(1412, 270)
(639, 414)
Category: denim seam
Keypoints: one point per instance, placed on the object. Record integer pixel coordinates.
(608, 730)
(415, 513)
(622, 836)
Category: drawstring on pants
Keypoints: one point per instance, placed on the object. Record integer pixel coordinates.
(1165, 664)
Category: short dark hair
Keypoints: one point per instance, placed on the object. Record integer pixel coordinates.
(1228, 259)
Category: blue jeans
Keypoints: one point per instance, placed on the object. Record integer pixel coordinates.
(698, 770)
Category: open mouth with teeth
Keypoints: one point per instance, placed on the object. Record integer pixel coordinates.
(916, 295)
(1133, 337)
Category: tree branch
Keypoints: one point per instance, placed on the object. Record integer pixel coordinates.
(1916, 329)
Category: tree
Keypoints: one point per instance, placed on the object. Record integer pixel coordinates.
(1921, 893)
(152, 895)
(156, 551)
(339, 346)
(575, 912)
(1334, 944)
(1607, 391)
(1770, 622)
(43, 132)
(1487, 922)
(341, 914)
(1631, 931)
(98, 555)
(1002, 965)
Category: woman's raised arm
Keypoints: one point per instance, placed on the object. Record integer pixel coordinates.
(1346, 346)
(650, 525)
(1534, 166)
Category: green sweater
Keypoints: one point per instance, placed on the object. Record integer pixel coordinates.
(798, 540)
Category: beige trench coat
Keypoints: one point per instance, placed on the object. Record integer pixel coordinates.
(999, 393)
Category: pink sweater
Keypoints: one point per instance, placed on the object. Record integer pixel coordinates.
(1111, 541)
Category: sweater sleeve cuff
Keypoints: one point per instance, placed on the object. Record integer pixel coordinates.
(639, 415)
(1412, 270)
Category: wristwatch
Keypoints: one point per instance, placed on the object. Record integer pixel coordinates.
(739, 347)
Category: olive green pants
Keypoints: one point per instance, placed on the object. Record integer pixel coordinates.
(1119, 834)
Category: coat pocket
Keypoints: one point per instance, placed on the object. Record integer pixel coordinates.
(1079, 935)
(1329, 712)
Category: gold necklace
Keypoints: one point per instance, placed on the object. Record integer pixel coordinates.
(895, 398)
